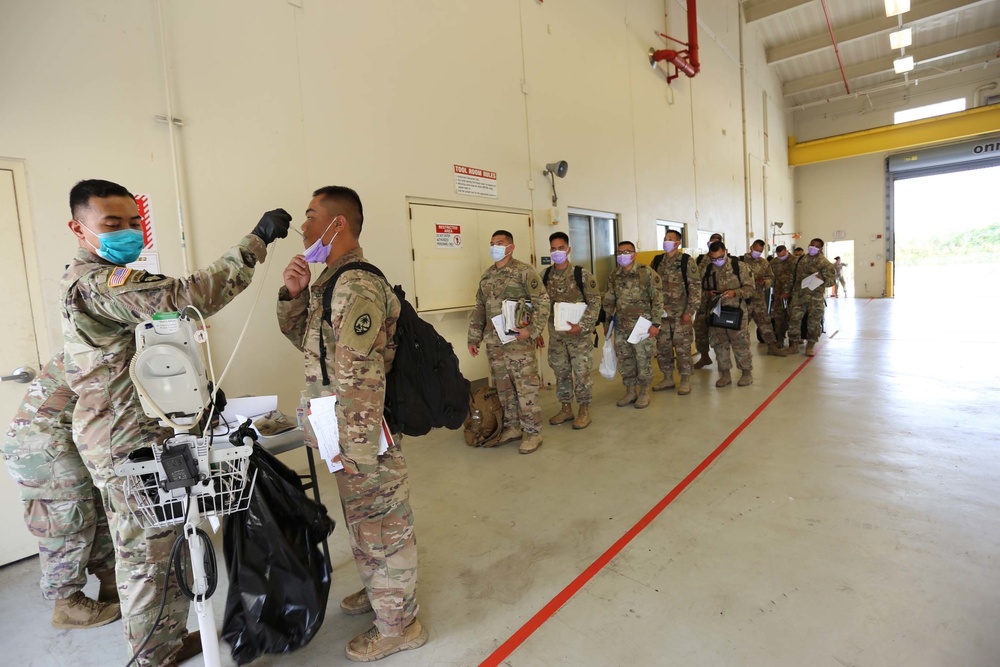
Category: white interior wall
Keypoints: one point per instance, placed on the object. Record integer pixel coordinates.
(385, 97)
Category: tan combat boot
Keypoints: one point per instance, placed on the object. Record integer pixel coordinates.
(685, 387)
(628, 398)
(109, 586)
(725, 379)
(190, 647)
(666, 383)
(642, 399)
(582, 417)
(372, 645)
(775, 351)
(810, 349)
(80, 612)
(530, 444)
(356, 603)
(703, 360)
(745, 380)
(563, 416)
(509, 434)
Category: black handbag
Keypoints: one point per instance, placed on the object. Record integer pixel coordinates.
(730, 317)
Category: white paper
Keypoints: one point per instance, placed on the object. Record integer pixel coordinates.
(664, 315)
(323, 420)
(717, 311)
(238, 410)
(509, 311)
(567, 312)
(502, 330)
(640, 332)
(812, 282)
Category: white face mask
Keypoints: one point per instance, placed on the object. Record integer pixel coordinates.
(498, 252)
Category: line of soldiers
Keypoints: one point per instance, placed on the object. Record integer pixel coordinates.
(683, 299)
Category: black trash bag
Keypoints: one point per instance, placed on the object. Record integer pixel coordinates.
(279, 580)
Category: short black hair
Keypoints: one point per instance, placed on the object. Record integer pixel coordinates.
(716, 246)
(757, 242)
(798, 250)
(346, 202)
(621, 243)
(714, 236)
(504, 232)
(79, 196)
(837, 257)
(779, 249)
(680, 237)
(558, 235)
(820, 241)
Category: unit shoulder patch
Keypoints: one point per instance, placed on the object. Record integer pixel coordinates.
(362, 324)
(143, 277)
(534, 283)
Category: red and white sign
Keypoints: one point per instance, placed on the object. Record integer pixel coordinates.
(448, 236)
(146, 211)
(475, 181)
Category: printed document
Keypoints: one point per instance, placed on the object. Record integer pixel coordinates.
(640, 332)
(812, 282)
(323, 420)
(502, 330)
(567, 312)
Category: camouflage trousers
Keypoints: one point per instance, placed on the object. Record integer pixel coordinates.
(571, 358)
(380, 524)
(701, 336)
(812, 308)
(64, 511)
(140, 566)
(758, 311)
(635, 362)
(514, 368)
(675, 339)
(724, 340)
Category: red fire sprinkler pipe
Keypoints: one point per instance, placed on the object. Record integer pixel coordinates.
(685, 60)
(836, 49)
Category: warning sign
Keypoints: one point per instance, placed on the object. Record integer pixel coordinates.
(448, 236)
(476, 182)
(146, 212)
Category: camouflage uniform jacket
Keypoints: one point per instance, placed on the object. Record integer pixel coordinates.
(562, 287)
(723, 278)
(760, 273)
(102, 303)
(515, 281)
(45, 418)
(678, 298)
(634, 293)
(806, 266)
(782, 271)
(359, 348)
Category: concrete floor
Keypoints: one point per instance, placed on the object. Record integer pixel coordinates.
(854, 522)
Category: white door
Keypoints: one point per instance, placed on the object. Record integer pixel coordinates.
(18, 350)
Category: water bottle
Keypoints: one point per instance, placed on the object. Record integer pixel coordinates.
(303, 410)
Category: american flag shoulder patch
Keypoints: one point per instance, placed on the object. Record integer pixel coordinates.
(119, 276)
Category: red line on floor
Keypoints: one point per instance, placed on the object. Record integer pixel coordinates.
(545, 613)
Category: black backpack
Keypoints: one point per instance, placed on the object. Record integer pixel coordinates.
(425, 388)
(685, 258)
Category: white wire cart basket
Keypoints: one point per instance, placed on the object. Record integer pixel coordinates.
(224, 487)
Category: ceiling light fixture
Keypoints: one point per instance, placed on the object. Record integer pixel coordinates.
(901, 38)
(894, 7)
(902, 65)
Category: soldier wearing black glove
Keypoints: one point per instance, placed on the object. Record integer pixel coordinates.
(273, 225)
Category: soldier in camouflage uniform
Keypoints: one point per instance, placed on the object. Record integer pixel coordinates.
(571, 354)
(782, 265)
(763, 279)
(513, 365)
(102, 302)
(61, 506)
(701, 337)
(681, 297)
(729, 279)
(806, 303)
(374, 490)
(634, 291)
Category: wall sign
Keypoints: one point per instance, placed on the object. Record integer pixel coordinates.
(146, 211)
(475, 182)
(448, 236)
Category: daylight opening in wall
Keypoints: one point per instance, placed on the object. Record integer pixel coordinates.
(929, 111)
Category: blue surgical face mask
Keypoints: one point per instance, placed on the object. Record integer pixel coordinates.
(498, 252)
(719, 261)
(317, 252)
(120, 247)
(668, 246)
(813, 251)
(755, 254)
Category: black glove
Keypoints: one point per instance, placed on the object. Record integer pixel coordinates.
(273, 225)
